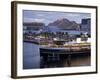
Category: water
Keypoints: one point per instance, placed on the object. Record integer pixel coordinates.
(31, 56)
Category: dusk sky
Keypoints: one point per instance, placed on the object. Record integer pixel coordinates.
(50, 16)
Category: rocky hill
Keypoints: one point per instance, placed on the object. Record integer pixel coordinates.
(34, 25)
(65, 24)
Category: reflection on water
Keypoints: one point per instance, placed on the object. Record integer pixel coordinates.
(32, 59)
(31, 56)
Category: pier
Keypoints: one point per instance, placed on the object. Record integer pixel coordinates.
(61, 53)
(58, 53)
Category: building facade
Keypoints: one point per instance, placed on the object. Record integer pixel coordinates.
(86, 25)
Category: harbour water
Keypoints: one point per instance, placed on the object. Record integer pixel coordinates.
(32, 60)
(31, 56)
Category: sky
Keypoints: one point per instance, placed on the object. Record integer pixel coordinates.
(51, 16)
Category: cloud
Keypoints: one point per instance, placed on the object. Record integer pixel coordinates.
(34, 20)
(39, 20)
(73, 15)
(28, 19)
(39, 15)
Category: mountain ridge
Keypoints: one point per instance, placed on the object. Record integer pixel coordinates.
(65, 24)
